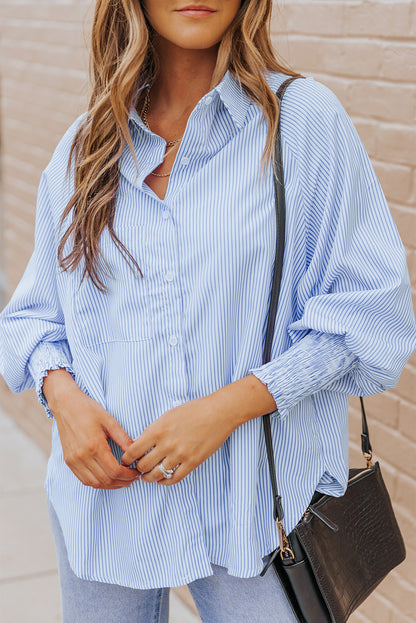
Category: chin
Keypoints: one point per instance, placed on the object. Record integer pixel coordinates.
(196, 45)
(196, 37)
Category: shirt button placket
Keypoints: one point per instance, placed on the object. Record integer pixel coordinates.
(178, 384)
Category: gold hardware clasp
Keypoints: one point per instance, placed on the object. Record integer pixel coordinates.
(283, 541)
(289, 551)
(368, 457)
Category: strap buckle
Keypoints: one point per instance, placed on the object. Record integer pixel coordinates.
(278, 508)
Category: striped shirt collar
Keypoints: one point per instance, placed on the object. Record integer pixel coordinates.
(235, 102)
(229, 90)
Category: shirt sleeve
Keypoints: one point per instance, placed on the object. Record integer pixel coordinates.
(32, 327)
(310, 365)
(48, 356)
(353, 328)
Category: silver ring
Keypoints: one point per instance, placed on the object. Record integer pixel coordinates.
(168, 473)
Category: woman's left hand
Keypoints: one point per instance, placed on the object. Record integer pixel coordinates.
(186, 435)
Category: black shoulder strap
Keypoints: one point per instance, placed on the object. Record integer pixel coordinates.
(274, 300)
(279, 189)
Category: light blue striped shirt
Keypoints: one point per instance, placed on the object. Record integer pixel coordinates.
(196, 321)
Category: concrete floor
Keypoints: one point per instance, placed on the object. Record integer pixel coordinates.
(29, 587)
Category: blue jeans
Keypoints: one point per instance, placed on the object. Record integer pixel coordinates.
(220, 598)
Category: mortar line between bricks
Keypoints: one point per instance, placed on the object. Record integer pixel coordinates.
(351, 76)
(345, 37)
(379, 120)
(394, 432)
(384, 463)
(406, 402)
(396, 572)
(391, 125)
(379, 160)
(377, 80)
(28, 576)
(408, 167)
(403, 208)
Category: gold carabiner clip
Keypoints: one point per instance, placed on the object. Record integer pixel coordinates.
(283, 541)
(368, 456)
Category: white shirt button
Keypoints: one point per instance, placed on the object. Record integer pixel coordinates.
(165, 214)
(176, 403)
(169, 276)
(208, 100)
(173, 340)
(185, 160)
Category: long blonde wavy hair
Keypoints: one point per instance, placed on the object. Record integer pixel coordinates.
(122, 60)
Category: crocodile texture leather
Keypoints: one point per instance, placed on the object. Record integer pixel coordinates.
(350, 563)
(347, 564)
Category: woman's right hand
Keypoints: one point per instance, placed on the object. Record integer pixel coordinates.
(84, 428)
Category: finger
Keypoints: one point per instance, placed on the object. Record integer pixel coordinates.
(154, 475)
(90, 479)
(107, 462)
(117, 433)
(108, 481)
(138, 448)
(179, 473)
(97, 459)
(96, 452)
(150, 459)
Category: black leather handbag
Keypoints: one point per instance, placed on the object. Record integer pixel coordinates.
(342, 547)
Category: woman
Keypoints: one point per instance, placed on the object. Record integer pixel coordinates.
(140, 318)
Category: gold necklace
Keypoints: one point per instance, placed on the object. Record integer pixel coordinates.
(170, 144)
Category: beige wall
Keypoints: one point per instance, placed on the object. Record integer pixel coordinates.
(364, 51)
(44, 86)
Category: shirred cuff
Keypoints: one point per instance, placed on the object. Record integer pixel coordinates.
(307, 367)
(48, 356)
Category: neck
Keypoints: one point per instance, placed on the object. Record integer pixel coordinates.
(184, 75)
